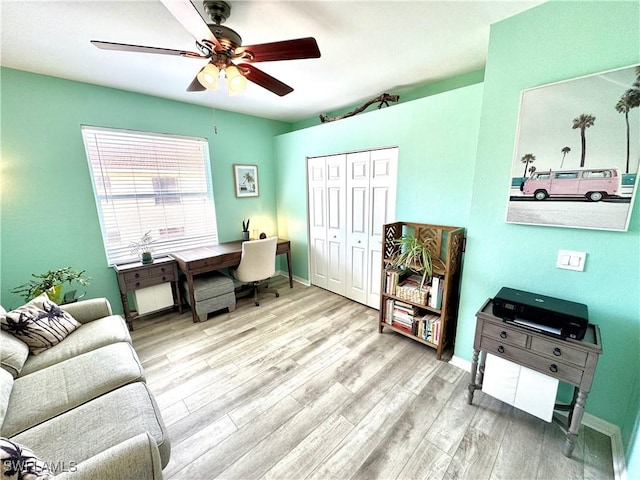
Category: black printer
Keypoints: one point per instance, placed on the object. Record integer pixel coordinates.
(548, 315)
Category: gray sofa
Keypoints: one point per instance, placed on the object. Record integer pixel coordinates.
(82, 406)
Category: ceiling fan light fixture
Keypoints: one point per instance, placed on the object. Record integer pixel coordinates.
(208, 76)
(236, 81)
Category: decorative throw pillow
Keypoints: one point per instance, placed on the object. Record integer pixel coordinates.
(18, 462)
(41, 324)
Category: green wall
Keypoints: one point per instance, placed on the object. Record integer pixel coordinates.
(556, 41)
(437, 138)
(49, 217)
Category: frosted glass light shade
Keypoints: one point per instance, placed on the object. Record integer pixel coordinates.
(208, 76)
(236, 82)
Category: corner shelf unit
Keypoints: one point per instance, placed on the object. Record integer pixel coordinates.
(446, 245)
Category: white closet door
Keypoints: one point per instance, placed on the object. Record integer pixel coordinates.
(383, 173)
(316, 173)
(357, 281)
(335, 175)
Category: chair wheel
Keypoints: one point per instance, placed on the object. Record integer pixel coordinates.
(277, 294)
(257, 304)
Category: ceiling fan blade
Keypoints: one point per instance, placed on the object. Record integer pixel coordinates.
(188, 16)
(285, 50)
(195, 85)
(124, 47)
(265, 80)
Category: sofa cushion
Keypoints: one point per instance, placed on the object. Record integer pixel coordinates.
(98, 425)
(13, 353)
(92, 335)
(137, 458)
(20, 463)
(41, 323)
(6, 385)
(70, 383)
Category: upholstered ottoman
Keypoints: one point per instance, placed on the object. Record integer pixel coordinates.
(212, 292)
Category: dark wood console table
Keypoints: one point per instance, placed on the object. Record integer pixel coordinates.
(134, 276)
(568, 360)
(196, 261)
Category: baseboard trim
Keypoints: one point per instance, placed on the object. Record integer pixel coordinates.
(588, 420)
(295, 278)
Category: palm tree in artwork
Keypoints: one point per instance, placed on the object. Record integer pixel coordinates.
(249, 180)
(564, 151)
(527, 158)
(532, 169)
(584, 121)
(630, 99)
(623, 106)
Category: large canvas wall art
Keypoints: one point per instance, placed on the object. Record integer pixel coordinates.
(577, 152)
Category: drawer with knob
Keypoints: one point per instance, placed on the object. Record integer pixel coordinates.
(548, 366)
(503, 332)
(149, 276)
(558, 350)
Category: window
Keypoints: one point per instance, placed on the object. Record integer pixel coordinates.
(150, 182)
(566, 175)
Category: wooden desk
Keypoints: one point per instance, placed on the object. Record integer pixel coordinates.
(196, 261)
(134, 276)
(568, 360)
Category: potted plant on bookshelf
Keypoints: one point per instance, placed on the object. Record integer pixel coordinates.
(143, 248)
(413, 255)
(51, 283)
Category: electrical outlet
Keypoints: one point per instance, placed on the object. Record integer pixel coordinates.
(569, 260)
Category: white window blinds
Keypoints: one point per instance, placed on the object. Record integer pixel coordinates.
(150, 182)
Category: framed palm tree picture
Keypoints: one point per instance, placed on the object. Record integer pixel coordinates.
(246, 180)
(577, 151)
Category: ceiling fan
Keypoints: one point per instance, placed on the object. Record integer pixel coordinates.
(223, 47)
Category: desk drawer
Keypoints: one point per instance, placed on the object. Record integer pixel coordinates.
(504, 333)
(529, 359)
(559, 350)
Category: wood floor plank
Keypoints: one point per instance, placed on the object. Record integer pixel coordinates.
(598, 460)
(520, 451)
(198, 444)
(365, 437)
(312, 450)
(555, 464)
(428, 462)
(396, 448)
(455, 416)
(215, 460)
(254, 405)
(285, 438)
(474, 457)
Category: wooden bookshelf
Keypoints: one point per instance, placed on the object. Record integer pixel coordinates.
(410, 311)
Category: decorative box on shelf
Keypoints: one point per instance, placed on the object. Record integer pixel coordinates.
(413, 293)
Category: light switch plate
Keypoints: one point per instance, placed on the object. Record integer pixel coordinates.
(570, 260)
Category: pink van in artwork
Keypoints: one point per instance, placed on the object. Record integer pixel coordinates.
(592, 183)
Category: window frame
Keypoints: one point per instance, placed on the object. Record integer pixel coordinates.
(124, 166)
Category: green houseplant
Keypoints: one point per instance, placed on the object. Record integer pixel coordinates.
(143, 248)
(413, 255)
(245, 229)
(51, 282)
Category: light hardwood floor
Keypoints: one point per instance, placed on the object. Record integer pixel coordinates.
(304, 386)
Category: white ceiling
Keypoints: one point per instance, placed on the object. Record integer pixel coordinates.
(367, 47)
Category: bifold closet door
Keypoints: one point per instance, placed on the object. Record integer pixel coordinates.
(371, 197)
(383, 178)
(351, 197)
(327, 222)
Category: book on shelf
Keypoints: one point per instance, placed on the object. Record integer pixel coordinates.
(436, 291)
(392, 279)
